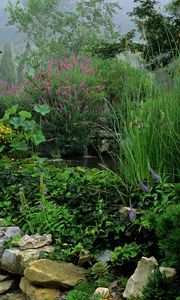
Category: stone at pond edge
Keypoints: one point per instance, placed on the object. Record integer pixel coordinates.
(34, 241)
(15, 260)
(37, 293)
(6, 233)
(169, 272)
(139, 279)
(13, 296)
(5, 285)
(102, 292)
(48, 273)
(84, 258)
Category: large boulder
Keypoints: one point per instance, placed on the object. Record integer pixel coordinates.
(38, 293)
(34, 241)
(48, 273)
(15, 260)
(138, 280)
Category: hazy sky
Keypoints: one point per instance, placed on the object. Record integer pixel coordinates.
(127, 6)
(10, 34)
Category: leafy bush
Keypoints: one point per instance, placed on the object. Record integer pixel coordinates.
(168, 232)
(19, 133)
(160, 287)
(123, 254)
(122, 82)
(82, 290)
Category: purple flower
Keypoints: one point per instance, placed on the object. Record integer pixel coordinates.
(41, 206)
(155, 176)
(144, 187)
(132, 214)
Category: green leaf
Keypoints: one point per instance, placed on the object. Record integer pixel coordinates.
(17, 122)
(42, 109)
(29, 125)
(9, 112)
(25, 114)
(20, 146)
(38, 137)
(1, 149)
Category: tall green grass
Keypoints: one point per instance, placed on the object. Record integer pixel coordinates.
(148, 139)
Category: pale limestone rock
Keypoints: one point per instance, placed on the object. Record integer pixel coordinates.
(5, 285)
(84, 258)
(48, 273)
(34, 292)
(102, 292)
(169, 272)
(140, 277)
(35, 241)
(4, 277)
(15, 260)
(13, 296)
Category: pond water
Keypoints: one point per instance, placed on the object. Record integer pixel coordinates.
(88, 162)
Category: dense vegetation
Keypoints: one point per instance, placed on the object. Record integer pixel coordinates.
(57, 101)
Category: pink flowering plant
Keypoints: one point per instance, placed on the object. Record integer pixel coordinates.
(5, 90)
(72, 89)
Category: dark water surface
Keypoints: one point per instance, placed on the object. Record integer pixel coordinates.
(88, 162)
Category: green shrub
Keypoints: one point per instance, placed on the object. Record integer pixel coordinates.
(25, 134)
(123, 254)
(82, 291)
(160, 287)
(168, 232)
(122, 82)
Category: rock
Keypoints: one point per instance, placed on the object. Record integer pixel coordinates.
(13, 296)
(3, 277)
(35, 241)
(5, 285)
(84, 258)
(48, 273)
(38, 293)
(6, 233)
(102, 292)
(2, 245)
(169, 272)
(15, 260)
(136, 282)
(105, 256)
(12, 232)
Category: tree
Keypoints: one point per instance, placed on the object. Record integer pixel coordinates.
(53, 30)
(159, 32)
(174, 7)
(7, 66)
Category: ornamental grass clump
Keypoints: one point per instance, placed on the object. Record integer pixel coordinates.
(148, 140)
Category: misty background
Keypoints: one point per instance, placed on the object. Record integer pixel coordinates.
(10, 33)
